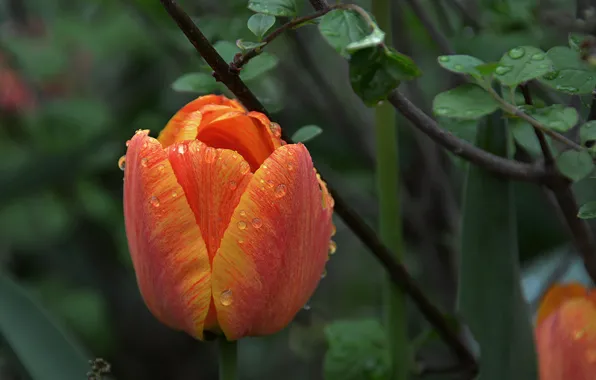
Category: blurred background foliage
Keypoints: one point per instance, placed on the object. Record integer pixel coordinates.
(78, 78)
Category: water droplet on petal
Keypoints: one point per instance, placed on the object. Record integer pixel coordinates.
(240, 241)
(145, 145)
(241, 225)
(332, 247)
(161, 168)
(280, 190)
(444, 58)
(324, 274)
(174, 194)
(290, 167)
(233, 185)
(127, 142)
(244, 168)
(577, 335)
(226, 297)
(154, 201)
(182, 148)
(210, 154)
(242, 213)
(275, 129)
(517, 53)
(257, 223)
(306, 307)
(144, 162)
(122, 162)
(333, 230)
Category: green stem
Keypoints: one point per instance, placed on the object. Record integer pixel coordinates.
(228, 360)
(390, 217)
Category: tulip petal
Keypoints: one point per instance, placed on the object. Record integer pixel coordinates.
(245, 133)
(556, 296)
(169, 255)
(213, 181)
(273, 254)
(566, 342)
(185, 123)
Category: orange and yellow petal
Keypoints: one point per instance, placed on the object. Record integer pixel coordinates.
(273, 253)
(566, 342)
(237, 131)
(185, 123)
(168, 253)
(556, 296)
(213, 181)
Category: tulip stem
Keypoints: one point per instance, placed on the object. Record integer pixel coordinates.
(387, 171)
(228, 359)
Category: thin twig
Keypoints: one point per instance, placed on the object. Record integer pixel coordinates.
(548, 156)
(435, 34)
(466, 17)
(513, 110)
(397, 272)
(496, 164)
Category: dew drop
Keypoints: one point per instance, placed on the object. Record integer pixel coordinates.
(332, 247)
(138, 131)
(324, 274)
(242, 213)
(154, 201)
(182, 148)
(275, 129)
(257, 223)
(226, 297)
(244, 168)
(333, 230)
(556, 125)
(280, 190)
(241, 225)
(145, 145)
(290, 167)
(122, 162)
(233, 185)
(502, 70)
(127, 142)
(538, 56)
(458, 67)
(174, 194)
(144, 162)
(210, 154)
(567, 89)
(240, 241)
(161, 168)
(552, 75)
(270, 183)
(443, 110)
(444, 58)
(577, 335)
(306, 307)
(517, 53)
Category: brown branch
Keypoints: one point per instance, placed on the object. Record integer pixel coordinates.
(496, 164)
(548, 156)
(397, 272)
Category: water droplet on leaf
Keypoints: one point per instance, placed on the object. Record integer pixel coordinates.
(538, 56)
(444, 58)
(502, 70)
(517, 53)
(443, 110)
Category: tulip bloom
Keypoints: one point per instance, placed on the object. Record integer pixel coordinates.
(228, 227)
(566, 334)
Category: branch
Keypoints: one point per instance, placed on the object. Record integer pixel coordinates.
(367, 235)
(548, 156)
(432, 29)
(466, 17)
(496, 164)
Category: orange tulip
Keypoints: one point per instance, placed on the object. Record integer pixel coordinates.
(566, 334)
(228, 227)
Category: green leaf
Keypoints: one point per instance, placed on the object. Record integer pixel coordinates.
(201, 83)
(556, 117)
(374, 39)
(45, 351)
(254, 68)
(575, 40)
(260, 23)
(343, 27)
(247, 45)
(375, 71)
(522, 64)
(587, 135)
(462, 64)
(490, 299)
(358, 350)
(282, 8)
(468, 101)
(575, 165)
(571, 75)
(587, 211)
(523, 133)
(487, 68)
(306, 133)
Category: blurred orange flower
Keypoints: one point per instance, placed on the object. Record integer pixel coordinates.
(228, 227)
(566, 333)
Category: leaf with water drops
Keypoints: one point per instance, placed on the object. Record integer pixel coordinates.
(306, 133)
(571, 75)
(200, 83)
(341, 28)
(462, 64)
(375, 72)
(260, 23)
(587, 135)
(357, 350)
(587, 211)
(522, 64)
(282, 8)
(468, 101)
(575, 165)
(556, 117)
